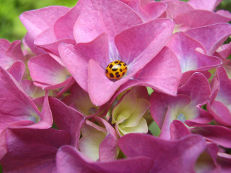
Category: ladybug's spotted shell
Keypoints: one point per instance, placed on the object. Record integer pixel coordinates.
(116, 70)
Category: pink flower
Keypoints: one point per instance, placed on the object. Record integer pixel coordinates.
(102, 35)
(184, 107)
(219, 105)
(168, 156)
(18, 110)
(65, 108)
(134, 47)
(12, 58)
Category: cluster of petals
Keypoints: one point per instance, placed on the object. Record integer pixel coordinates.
(170, 113)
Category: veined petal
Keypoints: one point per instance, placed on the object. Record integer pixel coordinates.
(190, 54)
(163, 73)
(140, 44)
(220, 108)
(102, 16)
(46, 71)
(219, 135)
(198, 18)
(176, 8)
(76, 58)
(23, 108)
(37, 21)
(211, 36)
(32, 150)
(69, 160)
(198, 88)
(68, 119)
(203, 4)
(164, 152)
(10, 53)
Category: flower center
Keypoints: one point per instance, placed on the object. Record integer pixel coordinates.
(116, 70)
(181, 117)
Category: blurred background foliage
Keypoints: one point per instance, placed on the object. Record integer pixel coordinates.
(12, 29)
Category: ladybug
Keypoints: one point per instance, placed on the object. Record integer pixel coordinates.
(116, 70)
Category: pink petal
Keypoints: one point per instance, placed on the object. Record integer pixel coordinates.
(204, 5)
(32, 150)
(153, 10)
(217, 134)
(23, 108)
(100, 88)
(10, 53)
(178, 130)
(140, 44)
(168, 156)
(29, 42)
(198, 18)
(45, 71)
(76, 58)
(176, 8)
(17, 70)
(79, 99)
(148, 10)
(224, 13)
(203, 118)
(220, 112)
(225, 50)
(108, 147)
(161, 103)
(46, 119)
(37, 21)
(31, 90)
(162, 73)
(198, 88)
(211, 36)
(66, 118)
(220, 107)
(14, 51)
(48, 41)
(102, 16)
(63, 27)
(225, 161)
(187, 52)
(180, 102)
(3, 149)
(207, 162)
(69, 160)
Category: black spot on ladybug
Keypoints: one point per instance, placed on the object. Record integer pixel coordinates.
(123, 73)
(118, 76)
(121, 70)
(110, 66)
(106, 71)
(126, 68)
(117, 73)
(114, 69)
(111, 75)
(116, 62)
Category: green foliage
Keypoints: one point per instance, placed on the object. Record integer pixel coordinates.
(10, 26)
(154, 129)
(225, 4)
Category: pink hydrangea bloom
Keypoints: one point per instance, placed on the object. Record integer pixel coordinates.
(170, 112)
